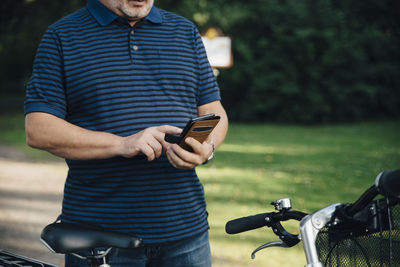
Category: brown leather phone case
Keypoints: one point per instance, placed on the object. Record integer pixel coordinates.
(199, 131)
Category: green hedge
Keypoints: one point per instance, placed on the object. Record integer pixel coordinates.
(307, 61)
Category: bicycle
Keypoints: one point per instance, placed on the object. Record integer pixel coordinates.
(364, 233)
(375, 223)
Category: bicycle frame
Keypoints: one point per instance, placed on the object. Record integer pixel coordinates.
(309, 229)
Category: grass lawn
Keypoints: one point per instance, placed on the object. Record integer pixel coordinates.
(313, 165)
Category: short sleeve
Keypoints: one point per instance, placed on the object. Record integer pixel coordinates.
(208, 87)
(45, 91)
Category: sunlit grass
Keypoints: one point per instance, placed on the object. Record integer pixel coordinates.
(314, 166)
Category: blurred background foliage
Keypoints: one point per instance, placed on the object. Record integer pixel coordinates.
(309, 61)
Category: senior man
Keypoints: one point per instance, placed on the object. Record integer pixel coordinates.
(108, 82)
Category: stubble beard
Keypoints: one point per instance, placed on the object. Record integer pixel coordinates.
(132, 13)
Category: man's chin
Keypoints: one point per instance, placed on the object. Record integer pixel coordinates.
(134, 11)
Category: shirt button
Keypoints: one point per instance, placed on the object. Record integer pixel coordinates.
(132, 32)
(135, 47)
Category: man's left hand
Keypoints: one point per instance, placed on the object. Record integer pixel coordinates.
(183, 159)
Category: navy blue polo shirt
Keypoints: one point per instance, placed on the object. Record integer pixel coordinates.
(95, 71)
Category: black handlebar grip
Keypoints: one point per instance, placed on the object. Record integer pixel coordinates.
(246, 223)
(388, 183)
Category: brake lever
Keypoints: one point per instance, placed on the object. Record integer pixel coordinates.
(268, 245)
(287, 239)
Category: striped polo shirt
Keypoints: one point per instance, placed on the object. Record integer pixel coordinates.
(94, 70)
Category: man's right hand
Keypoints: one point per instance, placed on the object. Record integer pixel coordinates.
(149, 142)
(48, 132)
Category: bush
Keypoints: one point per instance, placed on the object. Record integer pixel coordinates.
(306, 61)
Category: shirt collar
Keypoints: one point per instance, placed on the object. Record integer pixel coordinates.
(154, 16)
(105, 16)
(102, 14)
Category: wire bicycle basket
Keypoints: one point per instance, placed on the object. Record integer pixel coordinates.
(370, 238)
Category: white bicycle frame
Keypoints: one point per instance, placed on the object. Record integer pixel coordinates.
(309, 229)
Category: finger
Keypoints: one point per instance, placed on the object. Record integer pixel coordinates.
(195, 145)
(159, 136)
(204, 150)
(177, 161)
(156, 146)
(167, 146)
(160, 132)
(171, 160)
(187, 156)
(169, 129)
(148, 152)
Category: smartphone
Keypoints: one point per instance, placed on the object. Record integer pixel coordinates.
(198, 128)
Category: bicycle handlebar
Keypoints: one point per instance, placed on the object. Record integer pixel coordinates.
(388, 183)
(246, 223)
(263, 219)
(361, 203)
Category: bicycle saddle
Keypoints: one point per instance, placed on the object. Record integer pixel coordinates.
(69, 238)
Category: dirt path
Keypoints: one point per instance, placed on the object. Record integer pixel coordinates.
(30, 198)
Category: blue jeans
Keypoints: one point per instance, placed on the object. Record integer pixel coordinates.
(194, 252)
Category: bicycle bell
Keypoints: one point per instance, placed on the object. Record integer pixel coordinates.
(282, 204)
